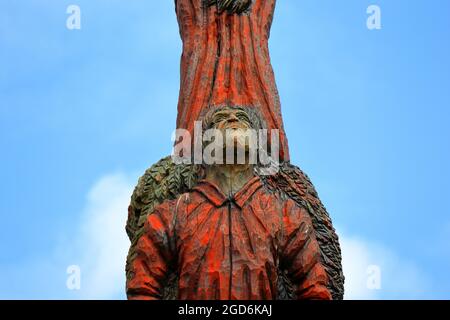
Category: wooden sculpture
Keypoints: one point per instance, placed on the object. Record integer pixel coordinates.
(228, 231)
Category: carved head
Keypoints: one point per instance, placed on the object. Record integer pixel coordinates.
(236, 124)
(233, 117)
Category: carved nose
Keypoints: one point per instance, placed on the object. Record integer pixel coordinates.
(233, 118)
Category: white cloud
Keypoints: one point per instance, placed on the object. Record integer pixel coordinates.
(355, 260)
(102, 244)
(96, 242)
(400, 279)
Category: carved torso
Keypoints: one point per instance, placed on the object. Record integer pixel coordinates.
(228, 248)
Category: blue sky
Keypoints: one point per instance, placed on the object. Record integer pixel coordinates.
(84, 112)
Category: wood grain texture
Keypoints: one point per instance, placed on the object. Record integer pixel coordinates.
(226, 61)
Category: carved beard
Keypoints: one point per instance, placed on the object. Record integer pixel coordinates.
(231, 6)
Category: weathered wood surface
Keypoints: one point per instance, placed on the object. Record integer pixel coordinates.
(226, 61)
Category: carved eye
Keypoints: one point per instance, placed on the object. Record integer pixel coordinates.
(220, 117)
(243, 117)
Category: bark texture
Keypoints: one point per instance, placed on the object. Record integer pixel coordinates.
(226, 61)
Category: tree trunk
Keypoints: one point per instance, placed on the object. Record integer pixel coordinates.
(226, 61)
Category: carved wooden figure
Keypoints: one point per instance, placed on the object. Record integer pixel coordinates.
(227, 231)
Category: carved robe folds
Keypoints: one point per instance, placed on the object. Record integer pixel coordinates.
(228, 247)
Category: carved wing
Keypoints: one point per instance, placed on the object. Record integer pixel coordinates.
(163, 181)
(295, 184)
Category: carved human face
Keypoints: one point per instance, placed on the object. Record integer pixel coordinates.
(234, 124)
(231, 119)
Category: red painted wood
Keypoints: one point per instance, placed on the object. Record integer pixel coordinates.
(226, 61)
(225, 249)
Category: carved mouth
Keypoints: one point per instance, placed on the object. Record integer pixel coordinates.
(231, 6)
(236, 126)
